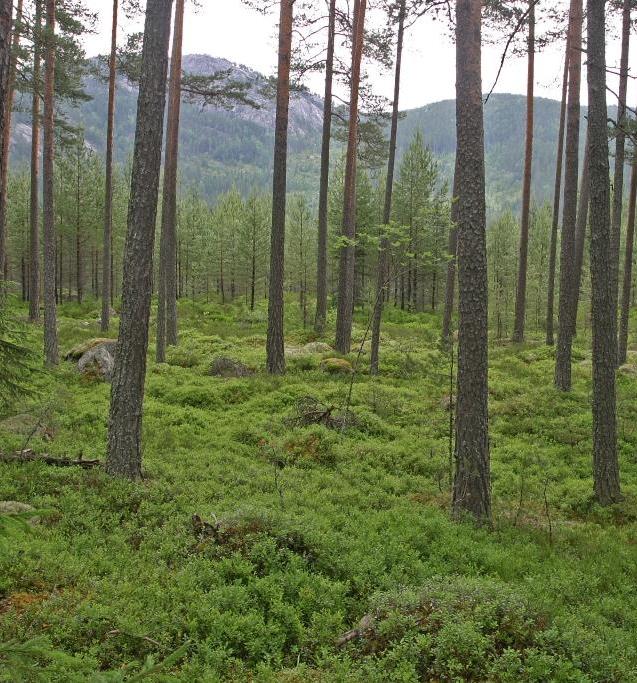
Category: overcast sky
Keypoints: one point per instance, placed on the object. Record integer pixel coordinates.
(226, 28)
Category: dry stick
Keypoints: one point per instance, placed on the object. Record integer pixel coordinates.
(30, 456)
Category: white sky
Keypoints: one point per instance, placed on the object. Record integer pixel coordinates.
(226, 28)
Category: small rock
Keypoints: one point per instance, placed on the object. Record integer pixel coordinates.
(293, 351)
(99, 362)
(14, 507)
(336, 366)
(317, 347)
(628, 369)
(223, 366)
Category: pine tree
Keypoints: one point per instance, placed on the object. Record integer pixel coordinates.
(124, 456)
(472, 486)
(275, 340)
(346, 255)
(605, 463)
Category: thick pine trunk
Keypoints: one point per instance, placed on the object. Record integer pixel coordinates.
(383, 254)
(605, 462)
(620, 156)
(557, 195)
(628, 268)
(472, 484)
(50, 313)
(275, 340)
(567, 255)
(346, 256)
(520, 298)
(107, 274)
(124, 456)
(167, 285)
(34, 210)
(321, 268)
(7, 80)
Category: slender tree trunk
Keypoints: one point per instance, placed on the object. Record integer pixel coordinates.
(50, 314)
(107, 275)
(124, 456)
(556, 205)
(620, 155)
(580, 235)
(383, 254)
(628, 267)
(605, 463)
(7, 82)
(567, 256)
(167, 286)
(472, 482)
(450, 284)
(276, 340)
(346, 255)
(321, 270)
(79, 275)
(520, 298)
(34, 286)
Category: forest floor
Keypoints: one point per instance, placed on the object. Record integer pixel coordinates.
(304, 530)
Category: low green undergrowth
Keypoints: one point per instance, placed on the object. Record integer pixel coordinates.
(265, 531)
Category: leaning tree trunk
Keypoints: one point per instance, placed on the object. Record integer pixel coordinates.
(34, 210)
(520, 297)
(567, 256)
(7, 77)
(557, 195)
(346, 264)
(628, 267)
(275, 345)
(452, 246)
(107, 275)
(50, 314)
(383, 254)
(605, 462)
(124, 456)
(580, 235)
(472, 485)
(167, 286)
(618, 182)
(321, 268)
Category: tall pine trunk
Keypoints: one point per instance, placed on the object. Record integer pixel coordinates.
(472, 482)
(628, 268)
(557, 196)
(450, 284)
(7, 83)
(605, 463)
(581, 226)
(124, 456)
(346, 264)
(620, 155)
(79, 261)
(321, 268)
(34, 209)
(107, 275)
(50, 313)
(520, 297)
(167, 286)
(567, 255)
(383, 254)
(275, 344)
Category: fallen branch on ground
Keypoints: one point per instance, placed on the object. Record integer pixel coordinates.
(28, 455)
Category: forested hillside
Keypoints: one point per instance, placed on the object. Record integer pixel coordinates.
(222, 148)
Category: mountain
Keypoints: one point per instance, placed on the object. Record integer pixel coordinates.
(220, 148)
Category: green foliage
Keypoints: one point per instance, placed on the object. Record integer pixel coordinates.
(314, 528)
